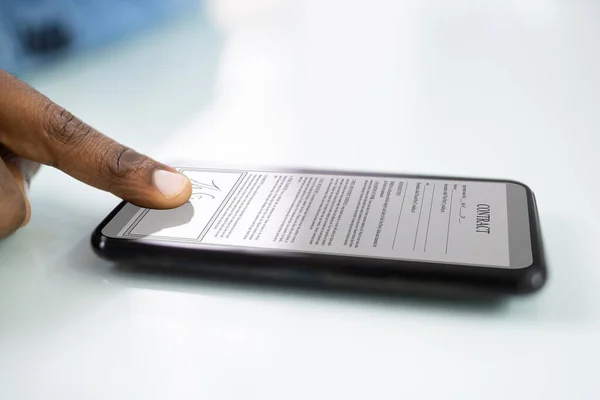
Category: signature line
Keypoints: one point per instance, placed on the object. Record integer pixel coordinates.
(419, 221)
(449, 216)
(399, 216)
(429, 220)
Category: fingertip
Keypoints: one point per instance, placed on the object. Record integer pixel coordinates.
(173, 186)
(157, 187)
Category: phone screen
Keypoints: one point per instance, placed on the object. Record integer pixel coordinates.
(479, 223)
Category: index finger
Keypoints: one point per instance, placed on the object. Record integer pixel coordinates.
(35, 128)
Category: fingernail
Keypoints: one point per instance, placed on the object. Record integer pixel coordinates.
(169, 184)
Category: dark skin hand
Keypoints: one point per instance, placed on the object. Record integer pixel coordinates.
(34, 131)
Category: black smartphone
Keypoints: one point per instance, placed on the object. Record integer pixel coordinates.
(333, 227)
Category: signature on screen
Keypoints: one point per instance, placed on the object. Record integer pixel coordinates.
(202, 190)
(463, 207)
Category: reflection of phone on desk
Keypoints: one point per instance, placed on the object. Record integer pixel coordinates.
(324, 227)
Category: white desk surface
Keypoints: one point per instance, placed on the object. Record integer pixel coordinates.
(484, 88)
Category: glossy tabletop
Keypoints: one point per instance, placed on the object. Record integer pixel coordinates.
(500, 89)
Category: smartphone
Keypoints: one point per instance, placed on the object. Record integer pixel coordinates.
(375, 230)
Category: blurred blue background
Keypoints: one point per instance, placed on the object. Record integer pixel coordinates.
(34, 33)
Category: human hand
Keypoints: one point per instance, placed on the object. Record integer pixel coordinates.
(34, 131)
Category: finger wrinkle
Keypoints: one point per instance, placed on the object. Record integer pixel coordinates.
(119, 156)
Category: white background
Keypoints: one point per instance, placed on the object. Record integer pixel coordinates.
(487, 88)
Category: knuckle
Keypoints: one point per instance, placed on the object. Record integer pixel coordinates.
(125, 163)
(62, 126)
